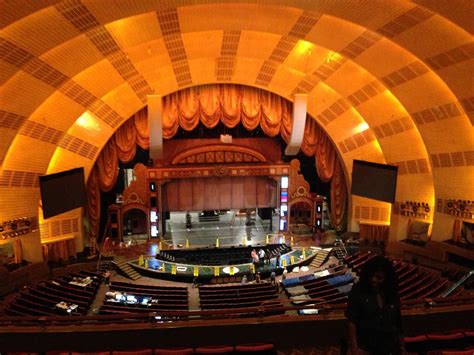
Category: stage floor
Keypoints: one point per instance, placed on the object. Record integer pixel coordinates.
(230, 229)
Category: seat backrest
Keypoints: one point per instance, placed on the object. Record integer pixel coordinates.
(224, 349)
(175, 351)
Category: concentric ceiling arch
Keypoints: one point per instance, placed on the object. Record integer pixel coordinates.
(405, 71)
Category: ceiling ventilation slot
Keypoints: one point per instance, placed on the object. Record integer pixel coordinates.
(11, 120)
(11, 53)
(304, 24)
(78, 14)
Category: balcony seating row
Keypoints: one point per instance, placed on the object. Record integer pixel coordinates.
(56, 297)
(237, 296)
(254, 348)
(413, 282)
(165, 299)
(457, 342)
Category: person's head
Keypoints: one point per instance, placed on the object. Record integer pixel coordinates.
(378, 274)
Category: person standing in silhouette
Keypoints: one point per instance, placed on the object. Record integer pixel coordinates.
(373, 311)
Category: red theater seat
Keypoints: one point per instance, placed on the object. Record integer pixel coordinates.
(97, 353)
(134, 352)
(259, 348)
(214, 350)
(457, 352)
(444, 342)
(416, 344)
(177, 351)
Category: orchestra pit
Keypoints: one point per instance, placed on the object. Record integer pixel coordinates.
(212, 177)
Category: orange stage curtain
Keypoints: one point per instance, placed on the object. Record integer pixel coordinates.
(17, 251)
(93, 204)
(310, 138)
(325, 157)
(229, 104)
(374, 233)
(338, 199)
(141, 126)
(63, 250)
(457, 226)
(125, 140)
(209, 107)
(188, 109)
(107, 166)
(171, 118)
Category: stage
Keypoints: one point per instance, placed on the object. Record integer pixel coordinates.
(230, 229)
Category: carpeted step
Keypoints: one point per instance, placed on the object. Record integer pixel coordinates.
(320, 258)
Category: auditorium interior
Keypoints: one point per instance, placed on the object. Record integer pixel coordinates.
(190, 176)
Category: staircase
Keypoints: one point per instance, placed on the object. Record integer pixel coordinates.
(124, 268)
(320, 258)
(339, 250)
(104, 265)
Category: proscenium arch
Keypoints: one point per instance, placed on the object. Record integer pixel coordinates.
(67, 156)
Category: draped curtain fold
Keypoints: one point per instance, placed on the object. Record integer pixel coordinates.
(63, 250)
(338, 199)
(209, 105)
(126, 141)
(325, 157)
(141, 128)
(457, 226)
(17, 251)
(374, 233)
(310, 138)
(93, 204)
(107, 166)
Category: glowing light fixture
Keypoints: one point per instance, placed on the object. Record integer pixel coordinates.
(361, 127)
(88, 121)
(304, 47)
(332, 56)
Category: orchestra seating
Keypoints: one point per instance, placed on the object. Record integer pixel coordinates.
(167, 299)
(329, 289)
(413, 281)
(219, 256)
(238, 296)
(59, 296)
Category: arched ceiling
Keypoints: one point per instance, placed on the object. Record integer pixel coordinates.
(390, 81)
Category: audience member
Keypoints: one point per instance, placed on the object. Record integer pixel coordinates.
(374, 310)
(273, 278)
(255, 258)
(107, 277)
(244, 279)
(257, 278)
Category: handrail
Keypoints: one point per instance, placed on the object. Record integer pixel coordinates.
(99, 248)
(457, 284)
